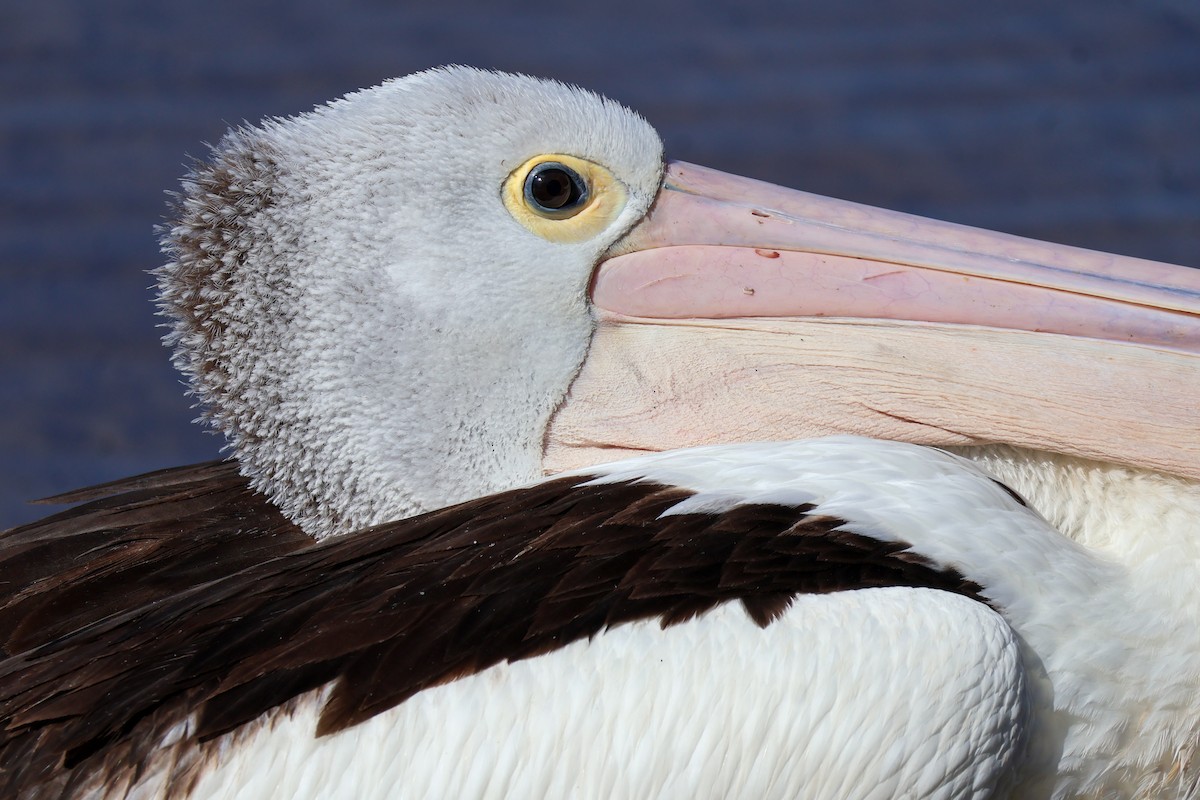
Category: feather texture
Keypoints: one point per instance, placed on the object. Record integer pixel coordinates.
(237, 614)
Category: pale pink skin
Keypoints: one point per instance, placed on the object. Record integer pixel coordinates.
(720, 246)
(742, 311)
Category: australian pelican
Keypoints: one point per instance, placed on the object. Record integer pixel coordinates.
(446, 323)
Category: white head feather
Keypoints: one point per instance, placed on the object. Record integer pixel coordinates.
(357, 311)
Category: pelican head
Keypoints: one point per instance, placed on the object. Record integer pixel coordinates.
(381, 302)
(454, 282)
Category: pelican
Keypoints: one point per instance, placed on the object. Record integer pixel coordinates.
(562, 470)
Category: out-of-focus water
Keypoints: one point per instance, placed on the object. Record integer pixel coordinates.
(1076, 121)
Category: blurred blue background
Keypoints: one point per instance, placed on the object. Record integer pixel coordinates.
(1076, 121)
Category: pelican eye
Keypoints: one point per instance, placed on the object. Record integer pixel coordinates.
(563, 198)
(555, 190)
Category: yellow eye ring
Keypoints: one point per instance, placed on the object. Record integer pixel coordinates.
(563, 198)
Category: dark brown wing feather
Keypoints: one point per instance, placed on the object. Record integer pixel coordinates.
(228, 611)
(144, 539)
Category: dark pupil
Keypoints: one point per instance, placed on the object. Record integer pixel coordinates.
(552, 188)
